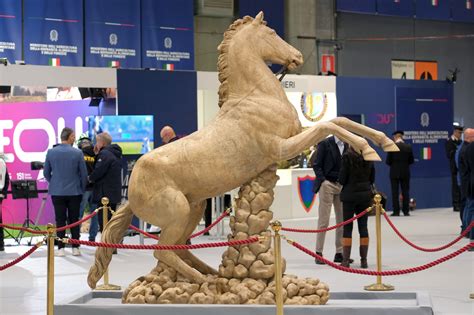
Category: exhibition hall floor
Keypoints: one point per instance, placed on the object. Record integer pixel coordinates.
(23, 287)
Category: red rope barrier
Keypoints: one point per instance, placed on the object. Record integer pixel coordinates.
(424, 249)
(143, 232)
(24, 229)
(84, 219)
(16, 261)
(382, 273)
(328, 228)
(164, 247)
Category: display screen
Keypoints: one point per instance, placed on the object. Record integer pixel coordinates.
(134, 134)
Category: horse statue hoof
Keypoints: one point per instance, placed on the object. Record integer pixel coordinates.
(369, 154)
(389, 146)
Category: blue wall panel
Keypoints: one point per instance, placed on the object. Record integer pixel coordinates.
(356, 6)
(396, 8)
(10, 26)
(462, 10)
(274, 12)
(375, 99)
(433, 9)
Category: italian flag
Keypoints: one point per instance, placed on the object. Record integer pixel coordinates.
(434, 3)
(114, 64)
(54, 62)
(168, 66)
(426, 153)
(469, 4)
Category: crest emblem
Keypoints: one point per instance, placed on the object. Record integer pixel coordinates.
(113, 39)
(305, 192)
(314, 105)
(53, 35)
(425, 119)
(168, 42)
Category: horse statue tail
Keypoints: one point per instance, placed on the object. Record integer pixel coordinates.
(113, 234)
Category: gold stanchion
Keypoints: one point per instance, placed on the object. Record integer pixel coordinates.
(276, 226)
(105, 219)
(471, 296)
(379, 286)
(50, 274)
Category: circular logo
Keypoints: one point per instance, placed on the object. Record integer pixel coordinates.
(168, 42)
(53, 35)
(113, 39)
(314, 105)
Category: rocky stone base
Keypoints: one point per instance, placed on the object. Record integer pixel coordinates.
(164, 286)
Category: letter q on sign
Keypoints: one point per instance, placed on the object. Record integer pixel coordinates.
(32, 124)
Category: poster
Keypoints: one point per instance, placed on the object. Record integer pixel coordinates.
(53, 33)
(426, 70)
(403, 69)
(27, 131)
(10, 24)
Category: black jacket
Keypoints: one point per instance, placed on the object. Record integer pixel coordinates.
(89, 159)
(464, 169)
(107, 175)
(469, 174)
(327, 163)
(5, 187)
(356, 180)
(451, 147)
(400, 161)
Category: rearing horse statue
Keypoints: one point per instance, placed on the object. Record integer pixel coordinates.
(255, 127)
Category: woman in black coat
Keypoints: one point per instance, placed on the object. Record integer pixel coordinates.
(356, 176)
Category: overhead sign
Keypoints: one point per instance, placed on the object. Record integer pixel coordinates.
(328, 63)
(10, 26)
(113, 33)
(403, 69)
(426, 70)
(53, 33)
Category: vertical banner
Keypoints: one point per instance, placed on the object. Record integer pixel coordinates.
(426, 70)
(403, 69)
(53, 32)
(328, 63)
(168, 34)
(10, 30)
(112, 33)
(426, 115)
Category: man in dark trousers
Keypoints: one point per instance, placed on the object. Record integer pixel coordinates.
(326, 167)
(463, 174)
(107, 174)
(451, 146)
(4, 182)
(66, 173)
(399, 163)
(467, 179)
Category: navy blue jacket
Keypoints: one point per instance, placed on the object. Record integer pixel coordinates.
(468, 175)
(400, 161)
(327, 163)
(107, 175)
(65, 171)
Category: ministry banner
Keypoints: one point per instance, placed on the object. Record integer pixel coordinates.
(53, 32)
(426, 116)
(27, 131)
(167, 34)
(10, 26)
(112, 33)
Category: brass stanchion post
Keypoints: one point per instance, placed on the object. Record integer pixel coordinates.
(276, 226)
(471, 296)
(50, 274)
(379, 286)
(105, 220)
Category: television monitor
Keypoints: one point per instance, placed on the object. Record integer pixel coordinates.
(133, 133)
(24, 189)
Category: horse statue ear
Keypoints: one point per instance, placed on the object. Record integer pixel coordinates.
(259, 18)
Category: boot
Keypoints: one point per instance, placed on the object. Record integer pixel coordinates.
(363, 250)
(346, 251)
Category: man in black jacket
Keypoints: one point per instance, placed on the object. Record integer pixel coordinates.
(107, 174)
(399, 163)
(326, 167)
(468, 179)
(451, 146)
(4, 182)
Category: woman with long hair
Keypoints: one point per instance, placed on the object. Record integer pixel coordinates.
(357, 177)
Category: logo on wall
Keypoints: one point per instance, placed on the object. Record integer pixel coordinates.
(425, 119)
(305, 192)
(53, 35)
(113, 39)
(314, 105)
(168, 42)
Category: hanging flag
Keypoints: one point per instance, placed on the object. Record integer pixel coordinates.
(114, 64)
(426, 153)
(168, 66)
(468, 4)
(434, 3)
(55, 62)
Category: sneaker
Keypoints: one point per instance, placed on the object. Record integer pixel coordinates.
(61, 253)
(76, 251)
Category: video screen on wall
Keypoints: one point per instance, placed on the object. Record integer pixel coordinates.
(134, 133)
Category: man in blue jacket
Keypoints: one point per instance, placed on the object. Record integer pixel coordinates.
(107, 174)
(66, 173)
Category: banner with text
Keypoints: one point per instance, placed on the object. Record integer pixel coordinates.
(167, 34)
(112, 33)
(27, 131)
(426, 116)
(53, 32)
(10, 26)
